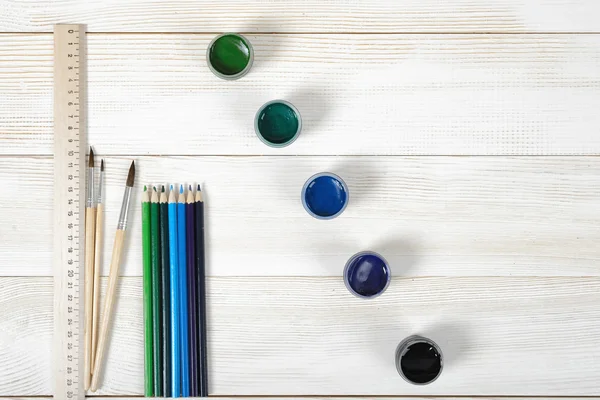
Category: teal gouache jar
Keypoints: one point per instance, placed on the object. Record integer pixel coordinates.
(230, 56)
(278, 123)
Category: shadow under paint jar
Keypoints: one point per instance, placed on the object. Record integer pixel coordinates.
(419, 360)
(367, 274)
(278, 123)
(325, 195)
(230, 56)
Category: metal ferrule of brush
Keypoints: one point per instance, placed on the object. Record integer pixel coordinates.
(124, 209)
(99, 197)
(90, 188)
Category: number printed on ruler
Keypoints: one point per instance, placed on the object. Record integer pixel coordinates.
(68, 208)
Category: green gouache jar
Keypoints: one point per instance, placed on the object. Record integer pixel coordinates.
(278, 123)
(230, 56)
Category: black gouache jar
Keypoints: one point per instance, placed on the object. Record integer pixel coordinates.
(419, 360)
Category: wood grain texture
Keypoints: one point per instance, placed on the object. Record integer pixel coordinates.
(304, 16)
(26, 327)
(358, 94)
(309, 336)
(452, 216)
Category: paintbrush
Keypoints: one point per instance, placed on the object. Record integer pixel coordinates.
(90, 222)
(97, 265)
(112, 277)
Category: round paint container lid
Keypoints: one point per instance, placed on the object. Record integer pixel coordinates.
(230, 56)
(325, 195)
(367, 274)
(278, 123)
(419, 360)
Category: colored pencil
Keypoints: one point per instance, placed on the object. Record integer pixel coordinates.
(166, 291)
(97, 264)
(156, 289)
(191, 275)
(175, 318)
(201, 294)
(147, 295)
(181, 241)
(112, 277)
(90, 231)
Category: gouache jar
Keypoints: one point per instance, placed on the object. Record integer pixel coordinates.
(419, 360)
(230, 56)
(325, 195)
(367, 274)
(278, 123)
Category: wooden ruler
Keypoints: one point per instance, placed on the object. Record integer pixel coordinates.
(69, 207)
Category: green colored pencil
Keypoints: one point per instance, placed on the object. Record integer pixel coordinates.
(156, 292)
(147, 283)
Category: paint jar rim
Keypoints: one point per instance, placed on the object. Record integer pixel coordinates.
(310, 180)
(403, 348)
(242, 72)
(352, 259)
(293, 138)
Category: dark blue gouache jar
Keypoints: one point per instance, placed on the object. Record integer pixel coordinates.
(367, 274)
(325, 195)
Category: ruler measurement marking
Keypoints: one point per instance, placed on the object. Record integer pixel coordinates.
(68, 181)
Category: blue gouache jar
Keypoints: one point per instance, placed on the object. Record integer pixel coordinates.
(367, 274)
(325, 195)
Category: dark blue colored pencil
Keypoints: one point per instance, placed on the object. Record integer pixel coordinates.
(166, 292)
(201, 294)
(191, 271)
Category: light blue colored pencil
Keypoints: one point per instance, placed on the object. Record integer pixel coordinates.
(183, 295)
(175, 302)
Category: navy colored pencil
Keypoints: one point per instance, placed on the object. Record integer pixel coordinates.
(201, 294)
(166, 292)
(191, 271)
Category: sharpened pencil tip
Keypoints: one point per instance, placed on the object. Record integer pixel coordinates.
(163, 189)
(154, 188)
(199, 188)
(180, 189)
(131, 175)
(91, 160)
(145, 188)
(102, 165)
(190, 188)
(171, 187)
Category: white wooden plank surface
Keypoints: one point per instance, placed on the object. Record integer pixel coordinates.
(319, 398)
(305, 15)
(25, 336)
(358, 94)
(309, 336)
(360, 398)
(451, 216)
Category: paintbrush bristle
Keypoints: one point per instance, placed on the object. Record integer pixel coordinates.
(102, 165)
(91, 160)
(131, 175)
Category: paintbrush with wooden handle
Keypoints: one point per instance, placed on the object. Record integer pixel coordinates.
(112, 278)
